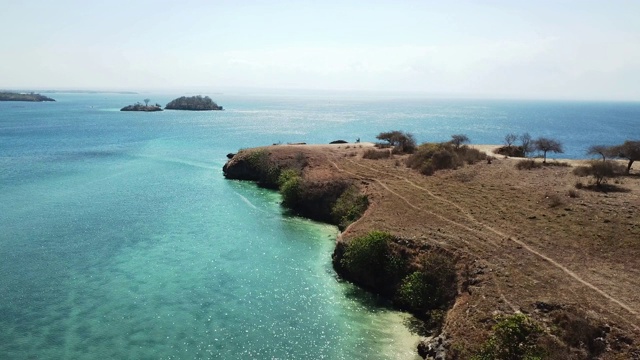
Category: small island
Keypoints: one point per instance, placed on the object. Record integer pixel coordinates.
(197, 103)
(139, 107)
(15, 96)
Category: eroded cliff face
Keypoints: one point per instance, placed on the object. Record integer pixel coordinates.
(240, 168)
(316, 193)
(253, 165)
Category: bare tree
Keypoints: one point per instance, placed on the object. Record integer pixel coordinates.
(400, 141)
(525, 140)
(547, 145)
(629, 150)
(510, 138)
(601, 150)
(458, 139)
(146, 102)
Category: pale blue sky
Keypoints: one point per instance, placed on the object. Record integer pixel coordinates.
(516, 49)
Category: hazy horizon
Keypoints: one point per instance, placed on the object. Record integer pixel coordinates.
(568, 50)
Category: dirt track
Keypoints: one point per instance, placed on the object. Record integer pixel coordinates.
(528, 236)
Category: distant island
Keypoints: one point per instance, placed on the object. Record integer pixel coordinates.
(193, 103)
(91, 92)
(139, 107)
(14, 96)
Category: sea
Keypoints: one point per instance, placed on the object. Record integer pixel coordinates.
(121, 239)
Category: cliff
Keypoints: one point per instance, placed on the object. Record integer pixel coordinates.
(518, 241)
(13, 96)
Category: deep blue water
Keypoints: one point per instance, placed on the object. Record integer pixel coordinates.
(119, 237)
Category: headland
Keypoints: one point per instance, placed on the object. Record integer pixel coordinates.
(499, 245)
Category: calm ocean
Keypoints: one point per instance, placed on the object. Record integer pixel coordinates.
(120, 238)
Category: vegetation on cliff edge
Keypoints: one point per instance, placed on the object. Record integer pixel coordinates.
(423, 282)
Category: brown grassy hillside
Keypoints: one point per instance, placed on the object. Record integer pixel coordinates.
(526, 241)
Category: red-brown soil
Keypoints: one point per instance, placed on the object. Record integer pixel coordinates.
(526, 241)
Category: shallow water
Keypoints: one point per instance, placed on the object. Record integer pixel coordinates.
(120, 237)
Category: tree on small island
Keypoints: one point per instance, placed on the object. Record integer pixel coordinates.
(197, 103)
(139, 107)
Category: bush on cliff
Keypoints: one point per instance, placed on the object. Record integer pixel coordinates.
(431, 287)
(349, 207)
(369, 261)
(367, 253)
(430, 157)
(423, 282)
(514, 337)
(267, 172)
(289, 185)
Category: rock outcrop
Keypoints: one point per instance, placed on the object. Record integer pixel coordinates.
(193, 103)
(140, 107)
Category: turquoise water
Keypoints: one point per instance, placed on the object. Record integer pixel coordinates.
(120, 238)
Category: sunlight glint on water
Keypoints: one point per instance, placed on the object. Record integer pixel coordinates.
(120, 237)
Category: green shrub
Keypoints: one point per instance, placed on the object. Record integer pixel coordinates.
(430, 157)
(367, 254)
(400, 141)
(423, 154)
(427, 169)
(349, 207)
(514, 337)
(601, 171)
(471, 155)
(444, 159)
(268, 172)
(432, 287)
(289, 184)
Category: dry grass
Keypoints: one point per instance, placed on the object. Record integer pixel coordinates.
(376, 154)
(521, 235)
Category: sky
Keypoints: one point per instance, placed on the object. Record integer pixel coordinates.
(488, 49)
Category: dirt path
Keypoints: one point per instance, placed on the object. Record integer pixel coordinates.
(489, 228)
